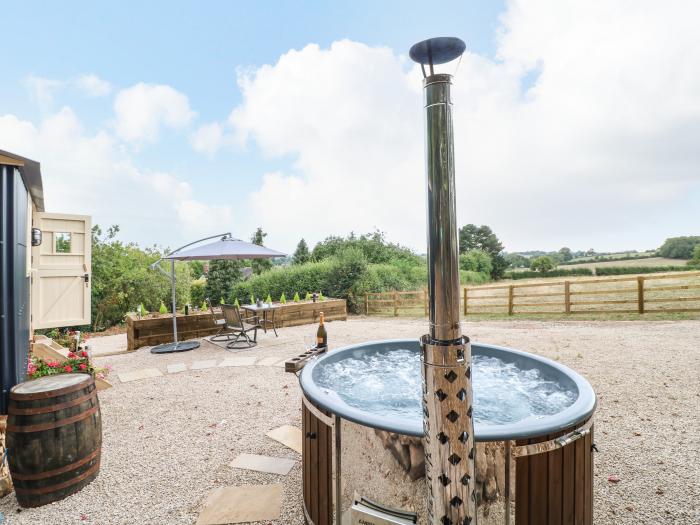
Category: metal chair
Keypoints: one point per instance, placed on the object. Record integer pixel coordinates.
(223, 334)
(238, 327)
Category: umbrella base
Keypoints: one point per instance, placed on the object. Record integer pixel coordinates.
(182, 346)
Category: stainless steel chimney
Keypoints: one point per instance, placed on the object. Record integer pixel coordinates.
(447, 386)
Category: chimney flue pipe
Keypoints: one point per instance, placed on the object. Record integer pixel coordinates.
(446, 356)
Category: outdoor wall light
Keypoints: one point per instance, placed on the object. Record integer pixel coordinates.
(36, 236)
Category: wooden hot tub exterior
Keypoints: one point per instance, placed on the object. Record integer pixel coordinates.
(551, 487)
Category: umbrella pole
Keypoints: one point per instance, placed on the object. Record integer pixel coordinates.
(172, 278)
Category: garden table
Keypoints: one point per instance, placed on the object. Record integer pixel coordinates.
(268, 315)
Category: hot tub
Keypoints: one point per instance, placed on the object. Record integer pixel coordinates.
(527, 408)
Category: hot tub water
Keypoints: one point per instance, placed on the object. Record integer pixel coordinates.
(389, 384)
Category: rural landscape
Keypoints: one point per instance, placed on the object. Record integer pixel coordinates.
(350, 263)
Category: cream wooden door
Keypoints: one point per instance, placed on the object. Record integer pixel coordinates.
(61, 270)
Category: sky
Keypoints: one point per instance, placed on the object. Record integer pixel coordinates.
(576, 123)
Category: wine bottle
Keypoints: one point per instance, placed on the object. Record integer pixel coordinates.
(321, 334)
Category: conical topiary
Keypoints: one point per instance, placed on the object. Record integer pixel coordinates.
(163, 309)
(296, 297)
(268, 299)
(204, 306)
(283, 298)
(235, 303)
(308, 296)
(252, 299)
(320, 296)
(221, 301)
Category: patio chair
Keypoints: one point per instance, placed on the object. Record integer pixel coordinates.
(238, 327)
(223, 334)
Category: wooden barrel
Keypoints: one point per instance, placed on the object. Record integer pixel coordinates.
(54, 437)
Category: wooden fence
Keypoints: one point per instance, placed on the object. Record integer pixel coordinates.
(649, 293)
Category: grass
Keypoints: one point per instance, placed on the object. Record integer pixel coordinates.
(650, 261)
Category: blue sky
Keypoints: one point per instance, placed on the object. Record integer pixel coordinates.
(512, 82)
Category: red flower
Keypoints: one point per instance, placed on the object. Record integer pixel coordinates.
(82, 366)
(84, 353)
(68, 368)
(52, 364)
(72, 355)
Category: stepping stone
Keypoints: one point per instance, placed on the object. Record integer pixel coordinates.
(238, 361)
(268, 361)
(289, 436)
(136, 375)
(201, 365)
(263, 464)
(242, 505)
(176, 367)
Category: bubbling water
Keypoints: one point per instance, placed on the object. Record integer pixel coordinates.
(390, 384)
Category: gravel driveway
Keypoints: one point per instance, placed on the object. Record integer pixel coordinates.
(168, 440)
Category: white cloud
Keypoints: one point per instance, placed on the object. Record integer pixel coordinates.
(42, 90)
(208, 138)
(594, 153)
(90, 174)
(143, 109)
(93, 86)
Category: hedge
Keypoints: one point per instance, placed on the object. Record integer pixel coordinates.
(624, 270)
(552, 273)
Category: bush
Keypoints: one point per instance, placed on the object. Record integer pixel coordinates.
(198, 291)
(476, 261)
(554, 273)
(468, 277)
(625, 270)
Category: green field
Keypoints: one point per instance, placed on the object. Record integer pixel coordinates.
(650, 261)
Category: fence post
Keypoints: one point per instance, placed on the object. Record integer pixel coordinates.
(567, 297)
(465, 301)
(640, 294)
(510, 300)
(396, 304)
(425, 302)
(366, 304)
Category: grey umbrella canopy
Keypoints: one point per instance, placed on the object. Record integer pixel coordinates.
(225, 248)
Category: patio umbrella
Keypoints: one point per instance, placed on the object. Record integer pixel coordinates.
(225, 248)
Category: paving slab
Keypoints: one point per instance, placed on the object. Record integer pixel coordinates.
(242, 505)
(201, 365)
(280, 466)
(289, 436)
(176, 367)
(135, 375)
(238, 361)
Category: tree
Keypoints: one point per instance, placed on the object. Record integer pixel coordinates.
(374, 246)
(565, 254)
(679, 247)
(223, 274)
(515, 260)
(695, 261)
(259, 265)
(472, 237)
(301, 254)
(543, 263)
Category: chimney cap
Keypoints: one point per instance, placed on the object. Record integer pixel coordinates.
(439, 50)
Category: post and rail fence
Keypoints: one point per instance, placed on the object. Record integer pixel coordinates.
(649, 293)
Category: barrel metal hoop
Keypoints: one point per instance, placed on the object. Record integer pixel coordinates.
(51, 408)
(326, 420)
(65, 484)
(54, 424)
(60, 470)
(553, 444)
(51, 393)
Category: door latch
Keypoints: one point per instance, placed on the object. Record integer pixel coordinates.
(87, 278)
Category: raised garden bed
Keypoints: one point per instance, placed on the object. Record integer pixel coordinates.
(155, 329)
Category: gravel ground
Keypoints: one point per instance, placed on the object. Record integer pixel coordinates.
(168, 440)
